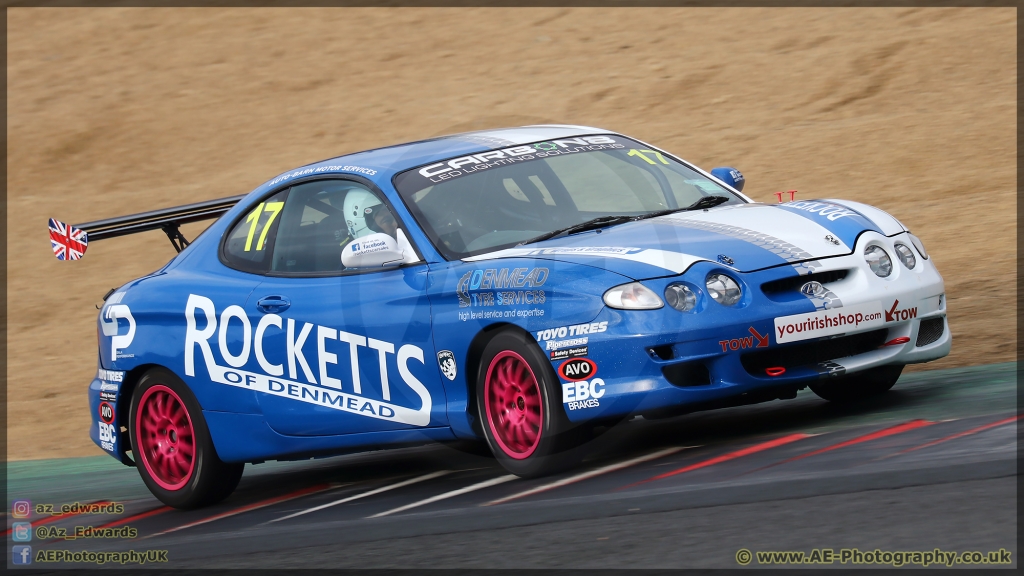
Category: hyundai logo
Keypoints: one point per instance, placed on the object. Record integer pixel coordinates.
(812, 288)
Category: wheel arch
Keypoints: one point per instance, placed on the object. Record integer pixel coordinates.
(474, 354)
(124, 401)
(124, 406)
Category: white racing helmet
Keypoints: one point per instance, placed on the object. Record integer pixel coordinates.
(359, 207)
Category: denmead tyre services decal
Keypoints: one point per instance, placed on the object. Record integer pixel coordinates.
(328, 393)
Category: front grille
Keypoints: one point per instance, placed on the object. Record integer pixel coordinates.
(811, 353)
(793, 283)
(930, 331)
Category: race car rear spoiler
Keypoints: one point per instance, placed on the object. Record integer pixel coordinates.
(166, 219)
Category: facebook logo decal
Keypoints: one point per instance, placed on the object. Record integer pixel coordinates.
(21, 555)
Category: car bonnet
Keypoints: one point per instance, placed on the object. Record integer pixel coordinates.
(742, 237)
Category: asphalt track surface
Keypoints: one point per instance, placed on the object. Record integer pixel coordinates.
(932, 464)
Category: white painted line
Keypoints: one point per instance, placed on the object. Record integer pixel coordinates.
(380, 490)
(250, 507)
(589, 474)
(446, 495)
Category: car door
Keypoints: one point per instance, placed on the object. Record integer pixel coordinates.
(344, 351)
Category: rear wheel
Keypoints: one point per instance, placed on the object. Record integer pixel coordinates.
(172, 446)
(519, 403)
(854, 387)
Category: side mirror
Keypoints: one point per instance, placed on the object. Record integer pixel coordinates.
(730, 176)
(372, 251)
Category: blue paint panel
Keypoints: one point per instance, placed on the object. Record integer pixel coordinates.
(381, 313)
(158, 306)
(247, 437)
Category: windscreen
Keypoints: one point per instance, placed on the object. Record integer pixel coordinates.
(496, 199)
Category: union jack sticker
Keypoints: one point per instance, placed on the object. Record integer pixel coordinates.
(69, 243)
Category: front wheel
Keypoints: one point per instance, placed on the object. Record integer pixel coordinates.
(519, 402)
(172, 446)
(860, 385)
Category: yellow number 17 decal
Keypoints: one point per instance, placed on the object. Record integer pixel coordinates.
(640, 153)
(274, 208)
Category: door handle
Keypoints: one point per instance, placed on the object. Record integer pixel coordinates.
(270, 304)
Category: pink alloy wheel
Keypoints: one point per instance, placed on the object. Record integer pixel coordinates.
(514, 405)
(166, 438)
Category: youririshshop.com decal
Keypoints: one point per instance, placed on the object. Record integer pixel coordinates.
(828, 322)
(328, 391)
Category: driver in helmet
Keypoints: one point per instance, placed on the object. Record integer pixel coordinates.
(365, 214)
(382, 220)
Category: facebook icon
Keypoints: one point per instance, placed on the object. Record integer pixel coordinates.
(21, 555)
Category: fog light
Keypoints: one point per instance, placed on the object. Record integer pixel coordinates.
(906, 255)
(724, 289)
(680, 297)
(878, 260)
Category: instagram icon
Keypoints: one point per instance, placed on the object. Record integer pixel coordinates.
(21, 509)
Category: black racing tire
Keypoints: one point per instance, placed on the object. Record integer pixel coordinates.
(858, 386)
(165, 423)
(526, 427)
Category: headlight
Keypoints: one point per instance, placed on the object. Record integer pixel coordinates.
(680, 297)
(906, 255)
(878, 260)
(633, 296)
(724, 289)
(918, 244)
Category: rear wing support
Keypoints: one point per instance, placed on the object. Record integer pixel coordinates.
(175, 236)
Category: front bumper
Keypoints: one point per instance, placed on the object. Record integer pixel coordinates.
(651, 361)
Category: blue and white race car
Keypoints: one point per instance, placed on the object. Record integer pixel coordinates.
(520, 286)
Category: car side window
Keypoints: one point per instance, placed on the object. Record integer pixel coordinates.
(320, 218)
(302, 230)
(250, 243)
